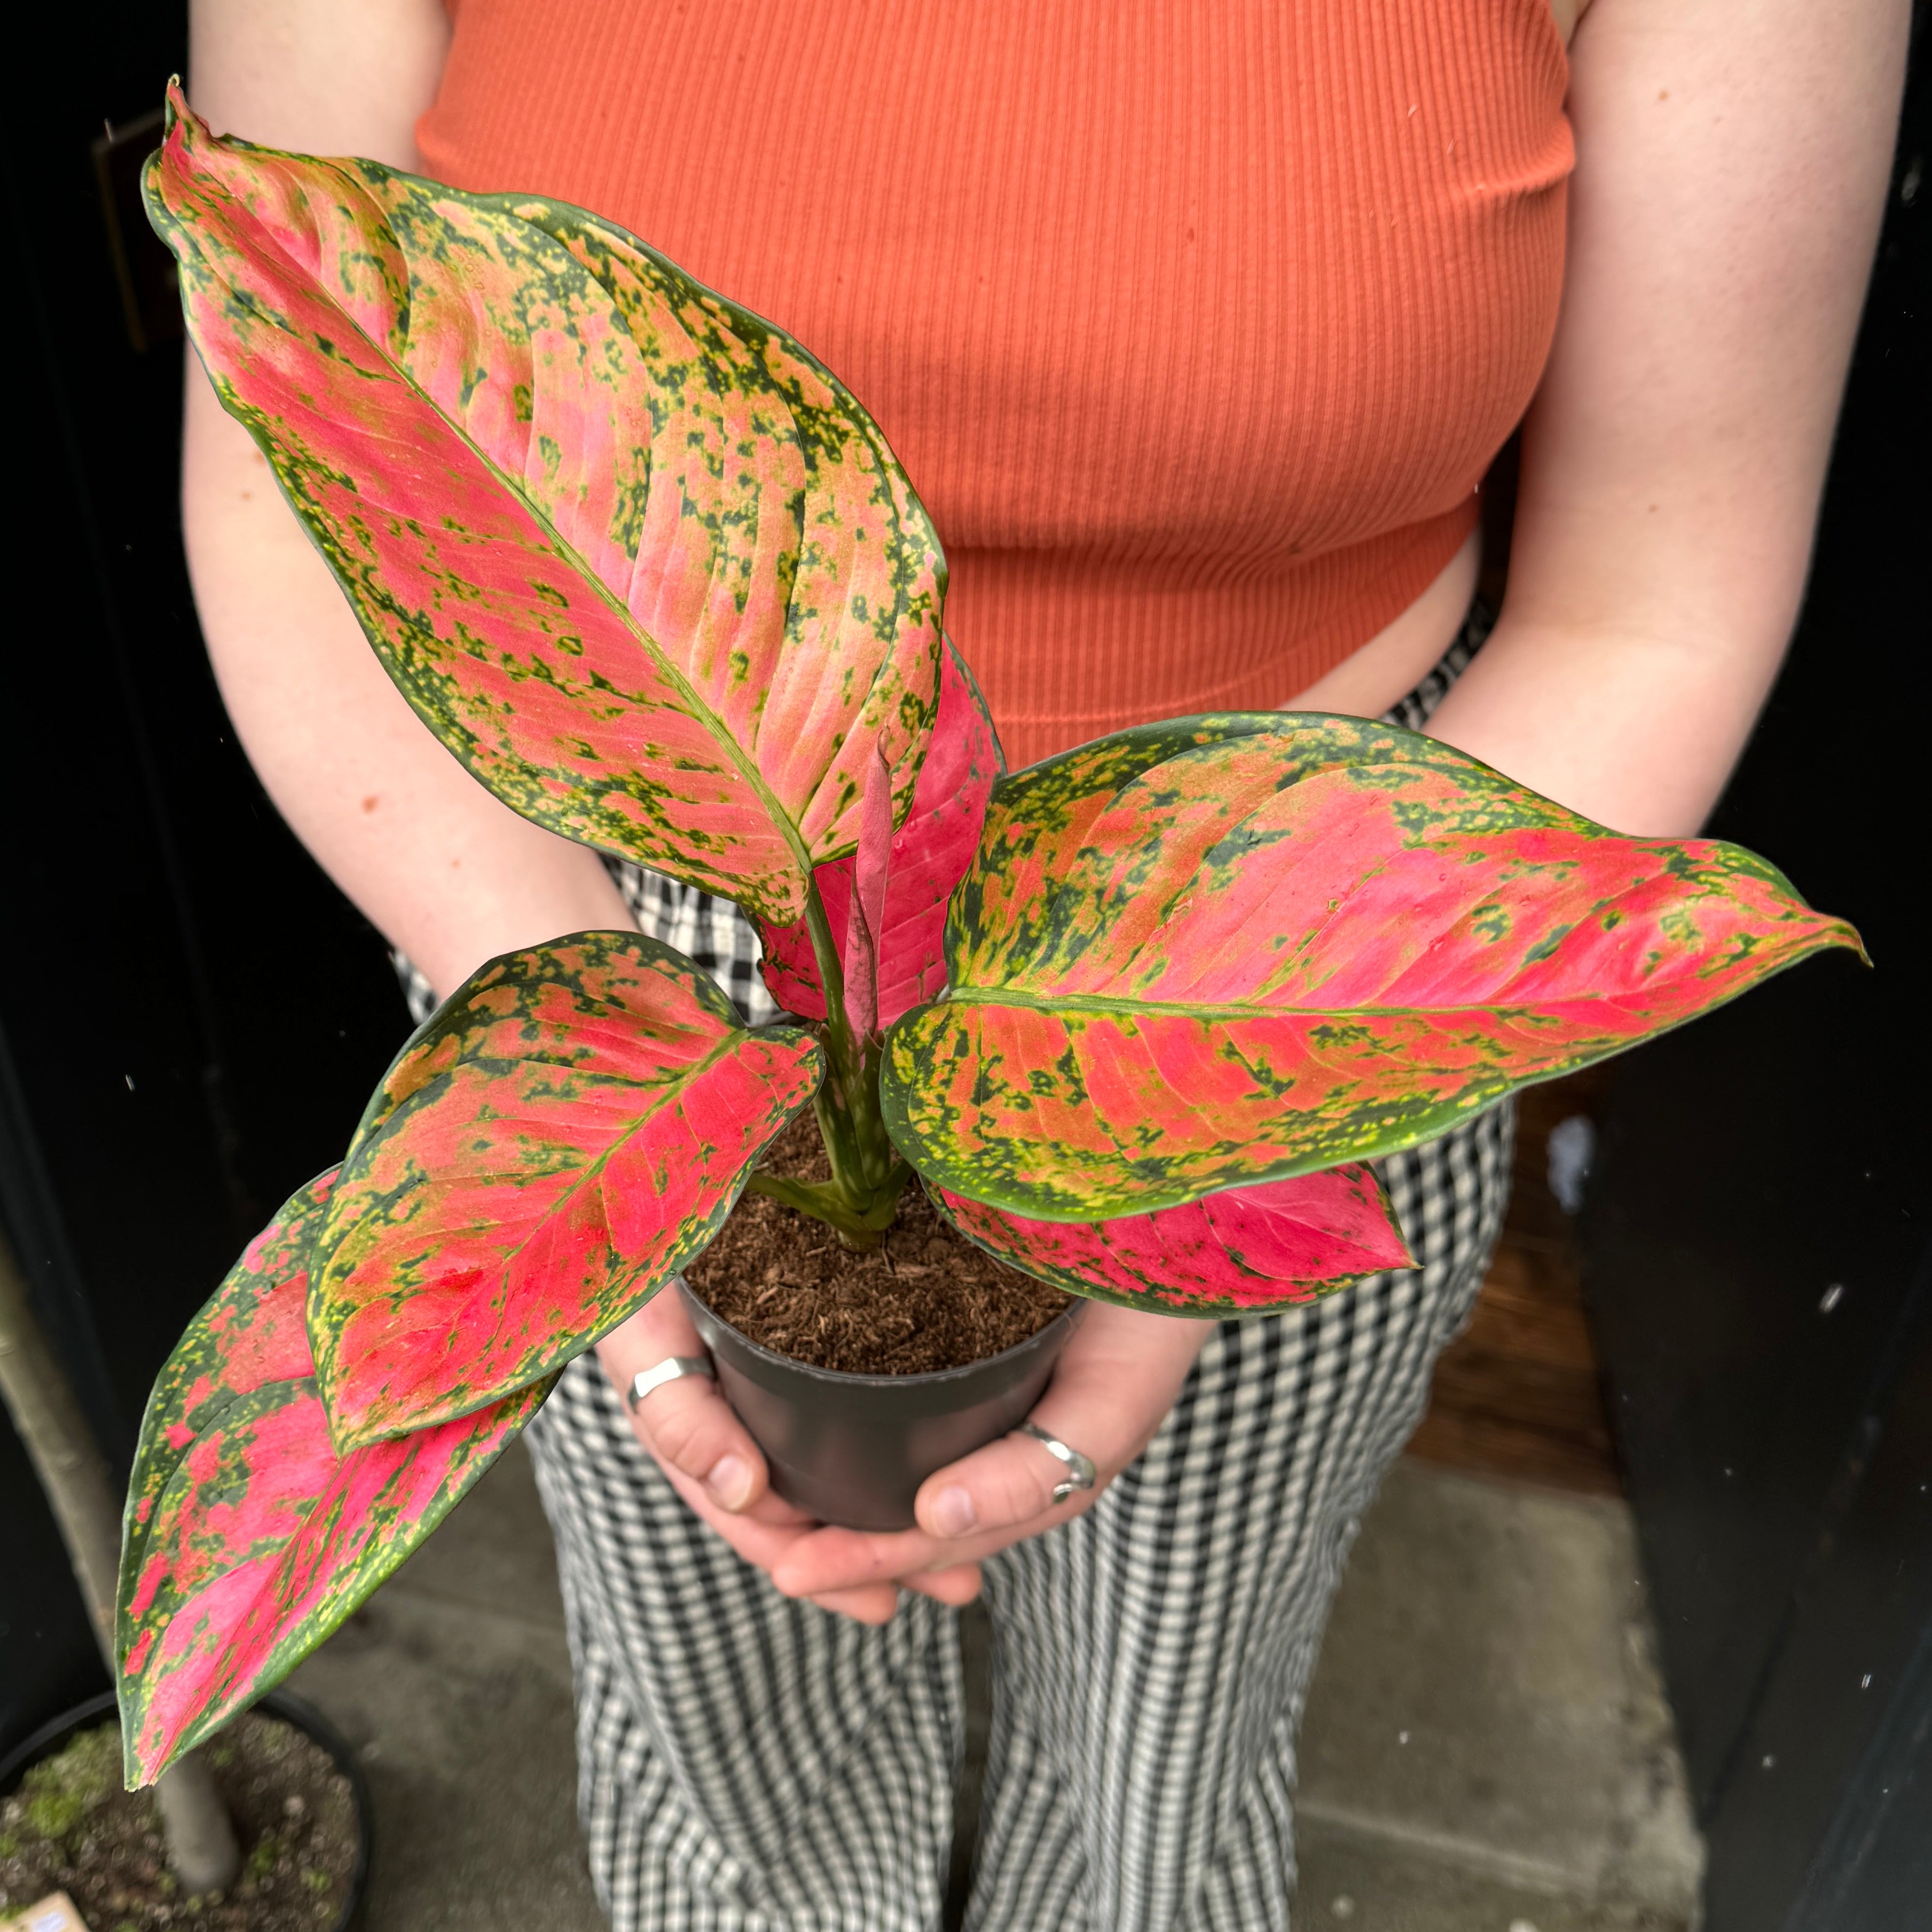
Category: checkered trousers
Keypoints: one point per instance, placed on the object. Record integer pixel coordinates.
(751, 1764)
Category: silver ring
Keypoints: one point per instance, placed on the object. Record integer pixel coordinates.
(668, 1370)
(1081, 1473)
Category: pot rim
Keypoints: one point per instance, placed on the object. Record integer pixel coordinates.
(926, 1379)
(283, 1705)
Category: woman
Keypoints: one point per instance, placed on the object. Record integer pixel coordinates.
(1195, 327)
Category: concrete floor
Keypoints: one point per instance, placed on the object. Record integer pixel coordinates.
(1487, 1747)
(1487, 1741)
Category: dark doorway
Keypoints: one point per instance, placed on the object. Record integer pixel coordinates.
(191, 1015)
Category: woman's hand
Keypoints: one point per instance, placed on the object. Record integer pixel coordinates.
(1111, 1389)
(714, 1464)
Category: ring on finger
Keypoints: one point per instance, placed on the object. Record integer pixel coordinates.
(647, 1382)
(1081, 1473)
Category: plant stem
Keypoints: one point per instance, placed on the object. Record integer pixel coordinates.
(857, 1230)
(47, 1414)
(863, 1158)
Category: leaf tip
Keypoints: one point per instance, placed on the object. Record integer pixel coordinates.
(180, 125)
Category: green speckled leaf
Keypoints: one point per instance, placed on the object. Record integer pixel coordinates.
(247, 1539)
(1244, 1251)
(569, 1130)
(1235, 948)
(640, 563)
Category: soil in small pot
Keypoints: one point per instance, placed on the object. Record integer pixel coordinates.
(69, 1827)
(925, 1299)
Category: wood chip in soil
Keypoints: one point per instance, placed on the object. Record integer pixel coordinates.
(927, 1299)
(69, 1827)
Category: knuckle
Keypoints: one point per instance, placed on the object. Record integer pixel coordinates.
(1028, 1486)
(1035, 1495)
(663, 1318)
(683, 1432)
(1019, 1491)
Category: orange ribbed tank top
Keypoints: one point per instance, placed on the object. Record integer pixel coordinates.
(1195, 322)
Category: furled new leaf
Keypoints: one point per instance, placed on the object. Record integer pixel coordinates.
(567, 1131)
(636, 558)
(929, 854)
(1229, 950)
(248, 1540)
(865, 914)
(1237, 1252)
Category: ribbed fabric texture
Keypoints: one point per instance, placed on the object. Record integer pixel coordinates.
(1195, 322)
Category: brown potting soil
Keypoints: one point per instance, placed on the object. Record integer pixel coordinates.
(69, 1827)
(925, 1299)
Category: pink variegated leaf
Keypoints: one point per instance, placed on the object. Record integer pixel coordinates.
(570, 1128)
(1228, 950)
(640, 563)
(248, 1540)
(929, 856)
(864, 920)
(1242, 1251)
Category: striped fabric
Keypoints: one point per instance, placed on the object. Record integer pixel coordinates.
(752, 1763)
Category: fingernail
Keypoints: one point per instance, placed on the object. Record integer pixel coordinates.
(729, 1481)
(953, 1513)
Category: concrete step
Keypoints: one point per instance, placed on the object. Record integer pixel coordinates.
(1369, 1884)
(1487, 1723)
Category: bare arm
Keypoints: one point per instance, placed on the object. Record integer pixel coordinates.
(449, 874)
(1731, 165)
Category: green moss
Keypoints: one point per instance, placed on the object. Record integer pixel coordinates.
(262, 1859)
(60, 1791)
(317, 1881)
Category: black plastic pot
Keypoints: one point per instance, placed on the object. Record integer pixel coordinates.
(290, 1709)
(854, 1449)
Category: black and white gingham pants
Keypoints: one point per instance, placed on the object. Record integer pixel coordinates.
(753, 1763)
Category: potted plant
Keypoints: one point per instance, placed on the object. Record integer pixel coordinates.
(1133, 1021)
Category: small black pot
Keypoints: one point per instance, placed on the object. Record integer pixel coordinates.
(853, 1450)
(282, 1704)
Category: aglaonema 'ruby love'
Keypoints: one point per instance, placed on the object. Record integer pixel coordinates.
(248, 1538)
(1226, 949)
(1135, 1017)
(927, 857)
(634, 558)
(568, 1131)
(1232, 1253)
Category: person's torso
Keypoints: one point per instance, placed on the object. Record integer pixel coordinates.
(1179, 295)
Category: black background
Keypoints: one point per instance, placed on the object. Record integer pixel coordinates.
(191, 1015)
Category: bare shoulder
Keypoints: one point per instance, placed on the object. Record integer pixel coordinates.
(321, 76)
